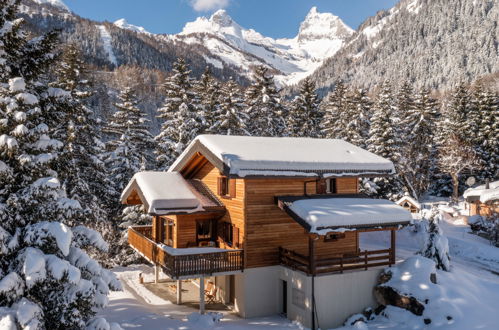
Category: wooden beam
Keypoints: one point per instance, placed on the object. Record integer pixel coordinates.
(392, 246)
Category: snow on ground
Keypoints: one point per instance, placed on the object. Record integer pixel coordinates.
(469, 292)
(137, 308)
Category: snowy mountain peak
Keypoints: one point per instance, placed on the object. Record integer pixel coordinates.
(222, 18)
(323, 25)
(123, 24)
(56, 3)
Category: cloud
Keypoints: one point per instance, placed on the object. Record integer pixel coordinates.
(209, 5)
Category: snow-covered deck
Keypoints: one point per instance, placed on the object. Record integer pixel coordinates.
(323, 214)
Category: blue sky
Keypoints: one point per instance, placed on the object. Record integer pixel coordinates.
(274, 18)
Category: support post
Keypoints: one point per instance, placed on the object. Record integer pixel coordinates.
(156, 273)
(179, 292)
(201, 295)
(392, 247)
(311, 254)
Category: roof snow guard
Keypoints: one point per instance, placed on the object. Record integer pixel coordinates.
(164, 193)
(244, 156)
(321, 214)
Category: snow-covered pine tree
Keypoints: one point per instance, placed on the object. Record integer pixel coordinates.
(207, 90)
(47, 281)
(435, 244)
(334, 107)
(180, 120)
(358, 111)
(404, 107)
(233, 119)
(82, 172)
(129, 152)
(383, 138)
(266, 113)
(304, 115)
(486, 115)
(418, 143)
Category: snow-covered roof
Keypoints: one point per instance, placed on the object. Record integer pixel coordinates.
(409, 199)
(163, 193)
(326, 214)
(483, 194)
(243, 156)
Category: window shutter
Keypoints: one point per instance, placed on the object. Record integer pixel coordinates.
(232, 188)
(235, 236)
(219, 186)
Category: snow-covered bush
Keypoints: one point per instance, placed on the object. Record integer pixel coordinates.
(435, 245)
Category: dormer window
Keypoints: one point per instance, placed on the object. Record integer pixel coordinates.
(331, 186)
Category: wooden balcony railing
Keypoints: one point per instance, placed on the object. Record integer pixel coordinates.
(336, 263)
(177, 266)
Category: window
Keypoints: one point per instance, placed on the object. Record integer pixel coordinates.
(168, 231)
(223, 186)
(331, 186)
(332, 237)
(205, 230)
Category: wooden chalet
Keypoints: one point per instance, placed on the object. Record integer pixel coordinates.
(264, 217)
(483, 200)
(410, 204)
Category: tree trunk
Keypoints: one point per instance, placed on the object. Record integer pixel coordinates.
(455, 187)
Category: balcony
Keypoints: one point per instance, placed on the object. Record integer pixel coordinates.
(185, 263)
(336, 263)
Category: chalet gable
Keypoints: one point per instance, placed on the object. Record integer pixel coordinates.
(247, 156)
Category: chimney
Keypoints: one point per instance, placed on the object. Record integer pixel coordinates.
(487, 184)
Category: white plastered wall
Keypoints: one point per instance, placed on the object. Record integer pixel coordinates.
(338, 296)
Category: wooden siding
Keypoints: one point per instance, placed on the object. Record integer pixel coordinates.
(234, 205)
(347, 185)
(269, 228)
(262, 226)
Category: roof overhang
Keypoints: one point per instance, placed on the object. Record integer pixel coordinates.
(168, 193)
(321, 214)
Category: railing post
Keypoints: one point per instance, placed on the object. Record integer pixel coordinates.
(365, 259)
(392, 247)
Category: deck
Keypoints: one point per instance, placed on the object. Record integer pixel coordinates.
(184, 265)
(336, 263)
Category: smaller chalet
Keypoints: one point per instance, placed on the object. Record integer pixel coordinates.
(410, 204)
(274, 224)
(483, 200)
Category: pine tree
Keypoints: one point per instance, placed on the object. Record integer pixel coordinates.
(359, 112)
(335, 118)
(383, 138)
(304, 115)
(129, 151)
(436, 245)
(208, 90)
(82, 172)
(267, 115)
(418, 158)
(486, 131)
(47, 280)
(181, 122)
(233, 119)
